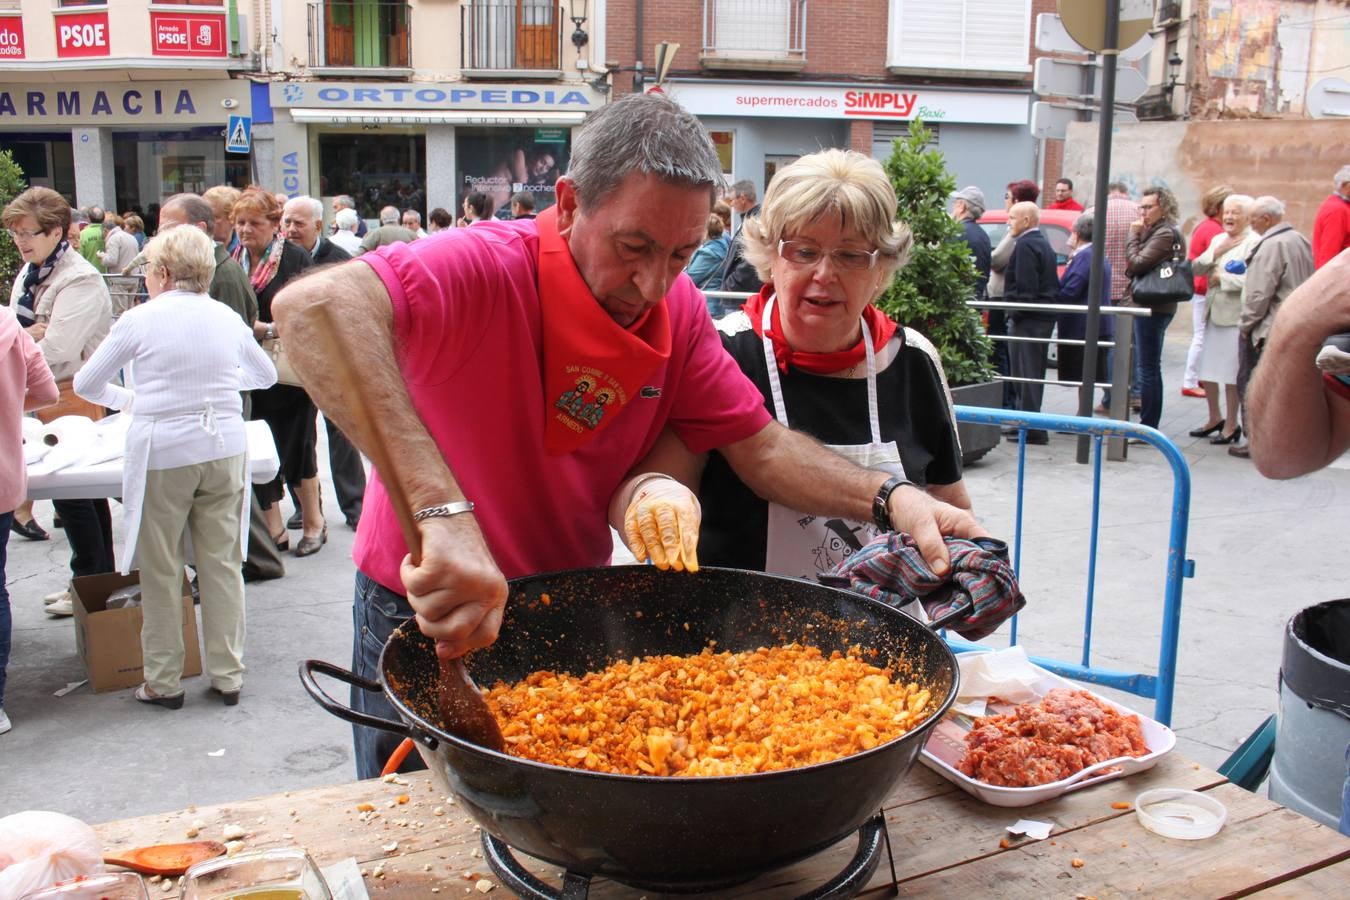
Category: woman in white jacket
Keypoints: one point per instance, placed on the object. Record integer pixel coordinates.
(185, 466)
(1224, 261)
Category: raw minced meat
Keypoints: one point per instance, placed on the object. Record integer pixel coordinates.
(1037, 743)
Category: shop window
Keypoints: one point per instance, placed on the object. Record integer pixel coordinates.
(971, 35)
(375, 171)
(364, 34)
(504, 161)
(885, 134)
(510, 34)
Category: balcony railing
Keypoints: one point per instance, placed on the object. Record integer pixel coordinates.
(754, 34)
(519, 36)
(359, 34)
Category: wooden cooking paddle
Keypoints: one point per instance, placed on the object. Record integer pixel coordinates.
(464, 712)
(165, 859)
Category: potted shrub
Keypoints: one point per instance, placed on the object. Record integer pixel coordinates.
(930, 293)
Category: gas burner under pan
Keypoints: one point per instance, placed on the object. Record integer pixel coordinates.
(872, 838)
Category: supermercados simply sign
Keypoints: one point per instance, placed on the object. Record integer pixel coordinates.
(853, 102)
(127, 103)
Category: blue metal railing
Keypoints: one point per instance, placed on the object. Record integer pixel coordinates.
(1159, 687)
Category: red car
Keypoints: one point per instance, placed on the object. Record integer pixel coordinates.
(1056, 225)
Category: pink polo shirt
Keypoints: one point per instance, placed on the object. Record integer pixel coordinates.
(467, 326)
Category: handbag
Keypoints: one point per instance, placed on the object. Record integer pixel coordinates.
(1170, 281)
(277, 352)
(69, 403)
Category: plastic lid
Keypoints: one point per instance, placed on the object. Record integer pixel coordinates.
(1185, 815)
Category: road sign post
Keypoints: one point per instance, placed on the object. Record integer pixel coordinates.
(239, 134)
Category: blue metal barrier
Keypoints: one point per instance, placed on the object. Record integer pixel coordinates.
(1158, 687)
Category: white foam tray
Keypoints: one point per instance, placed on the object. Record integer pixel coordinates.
(946, 745)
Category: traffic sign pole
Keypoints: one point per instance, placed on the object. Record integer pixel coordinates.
(1096, 273)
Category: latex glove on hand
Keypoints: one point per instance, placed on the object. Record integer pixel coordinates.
(661, 522)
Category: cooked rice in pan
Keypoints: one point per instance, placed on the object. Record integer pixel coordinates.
(710, 714)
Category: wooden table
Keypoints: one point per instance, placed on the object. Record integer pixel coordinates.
(946, 843)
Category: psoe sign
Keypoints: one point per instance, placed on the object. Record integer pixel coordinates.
(11, 37)
(85, 34)
(182, 34)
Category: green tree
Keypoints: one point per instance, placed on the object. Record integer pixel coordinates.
(12, 183)
(930, 293)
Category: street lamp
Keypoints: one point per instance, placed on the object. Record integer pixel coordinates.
(1173, 74)
(577, 9)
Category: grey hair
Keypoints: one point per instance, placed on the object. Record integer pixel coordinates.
(414, 213)
(1342, 176)
(389, 215)
(346, 219)
(187, 254)
(1242, 200)
(744, 188)
(648, 134)
(194, 208)
(1267, 205)
(1082, 228)
(344, 200)
(314, 207)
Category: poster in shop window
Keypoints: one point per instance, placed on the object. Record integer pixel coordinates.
(505, 161)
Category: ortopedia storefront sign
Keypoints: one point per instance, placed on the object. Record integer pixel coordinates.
(187, 34)
(352, 102)
(129, 103)
(851, 102)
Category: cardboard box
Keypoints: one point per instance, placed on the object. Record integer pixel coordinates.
(109, 640)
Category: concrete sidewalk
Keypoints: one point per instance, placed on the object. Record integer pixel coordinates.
(1255, 545)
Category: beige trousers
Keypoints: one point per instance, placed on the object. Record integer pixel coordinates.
(205, 500)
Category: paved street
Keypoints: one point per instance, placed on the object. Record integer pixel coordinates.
(103, 756)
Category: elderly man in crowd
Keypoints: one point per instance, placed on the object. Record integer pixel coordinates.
(344, 201)
(594, 284)
(967, 207)
(522, 205)
(91, 237)
(1279, 262)
(412, 220)
(1031, 277)
(389, 232)
(345, 223)
(1331, 229)
(119, 249)
(302, 221)
(738, 274)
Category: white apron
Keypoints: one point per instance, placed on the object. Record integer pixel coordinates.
(804, 545)
(135, 464)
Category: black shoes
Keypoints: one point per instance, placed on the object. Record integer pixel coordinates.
(1228, 438)
(1207, 430)
(308, 546)
(171, 701)
(230, 698)
(30, 530)
(295, 522)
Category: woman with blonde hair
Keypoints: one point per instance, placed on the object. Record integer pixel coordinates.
(1224, 264)
(185, 464)
(827, 245)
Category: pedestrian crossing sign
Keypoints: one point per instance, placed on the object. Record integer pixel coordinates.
(239, 134)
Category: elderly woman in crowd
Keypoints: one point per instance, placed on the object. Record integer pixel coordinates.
(25, 384)
(60, 298)
(828, 362)
(705, 266)
(1073, 289)
(185, 467)
(270, 261)
(1224, 264)
(1151, 240)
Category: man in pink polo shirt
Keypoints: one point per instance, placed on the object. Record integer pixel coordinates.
(525, 370)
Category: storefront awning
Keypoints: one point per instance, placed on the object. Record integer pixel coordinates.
(322, 116)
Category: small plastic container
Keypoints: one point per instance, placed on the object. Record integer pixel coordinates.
(1184, 815)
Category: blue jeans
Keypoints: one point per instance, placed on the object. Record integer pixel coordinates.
(376, 612)
(1148, 343)
(5, 620)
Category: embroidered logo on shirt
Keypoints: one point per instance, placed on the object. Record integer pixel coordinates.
(649, 392)
(585, 404)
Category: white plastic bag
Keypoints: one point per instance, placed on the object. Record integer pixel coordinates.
(38, 849)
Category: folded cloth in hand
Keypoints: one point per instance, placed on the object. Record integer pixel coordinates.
(891, 569)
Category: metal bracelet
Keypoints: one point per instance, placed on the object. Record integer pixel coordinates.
(445, 509)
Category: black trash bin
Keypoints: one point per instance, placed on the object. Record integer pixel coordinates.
(1308, 772)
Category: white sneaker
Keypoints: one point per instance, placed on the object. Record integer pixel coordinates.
(5, 724)
(63, 594)
(61, 608)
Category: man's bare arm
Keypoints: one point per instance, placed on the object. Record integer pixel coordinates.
(789, 468)
(1297, 425)
(456, 588)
